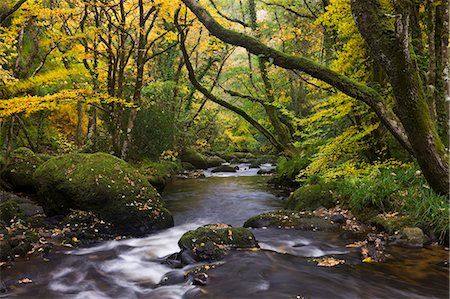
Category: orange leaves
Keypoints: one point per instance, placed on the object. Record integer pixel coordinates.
(329, 262)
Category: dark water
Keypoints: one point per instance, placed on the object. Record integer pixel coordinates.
(283, 269)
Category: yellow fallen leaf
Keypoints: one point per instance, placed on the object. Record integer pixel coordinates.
(368, 260)
(357, 244)
(74, 239)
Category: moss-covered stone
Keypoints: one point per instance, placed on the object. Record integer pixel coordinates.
(187, 166)
(105, 185)
(215, 161)
(311, 197)
(291, 219)
(210, 242)
(390, 223)
(159, 173)
(195, 158)
(86, 226)
(21, 166)
(9, 210)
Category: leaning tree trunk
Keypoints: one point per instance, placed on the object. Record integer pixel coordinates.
(389, 40)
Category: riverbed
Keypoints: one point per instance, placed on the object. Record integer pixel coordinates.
(284, 268)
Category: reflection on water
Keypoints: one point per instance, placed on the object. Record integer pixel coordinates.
(284, 268)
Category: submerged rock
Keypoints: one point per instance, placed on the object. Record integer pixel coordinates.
(105, 185)
(18, 173)
(291, 219)
(266, 171)
(225, 168)
(410, 237)
(210, 242)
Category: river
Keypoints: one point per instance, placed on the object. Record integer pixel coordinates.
(284, 268)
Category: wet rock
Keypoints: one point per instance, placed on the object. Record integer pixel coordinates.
(5, 250)
(253, 165)
(266, 171)
(210, 242)
(338, 218)
(373, 248)
(104, 185)
(200, 279)
(172, 277)
(19, 171)
(225, 168)
(291, 219)
(410, 237)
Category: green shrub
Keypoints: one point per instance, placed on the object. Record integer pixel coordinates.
(399, 189)
(430, 212)
(288, 169)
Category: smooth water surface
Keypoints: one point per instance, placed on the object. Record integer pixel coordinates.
(284, 268)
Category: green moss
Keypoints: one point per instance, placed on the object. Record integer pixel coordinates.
(21, 166)
(215, 161)
(104, 185)
(9, 210)
(211, 241)
(311, 197)
(290, 219)
(159, 173)
(391, 224)
(195, 158)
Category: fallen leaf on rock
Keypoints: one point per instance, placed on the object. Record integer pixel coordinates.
(25, 280)
(356, 244)
(368, 260)
(329, 262)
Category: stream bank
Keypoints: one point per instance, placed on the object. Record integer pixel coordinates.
(286, 265)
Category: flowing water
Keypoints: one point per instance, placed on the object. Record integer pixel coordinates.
(284, 268)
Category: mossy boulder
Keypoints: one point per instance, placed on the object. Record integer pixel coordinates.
(291, 219)
(210, 242)
(195, 158)
(159, 173)
(105, 185)
(311, 197)
(9, 210)
(21, 166)
(86, 226)
(390, 223)
(215, 161)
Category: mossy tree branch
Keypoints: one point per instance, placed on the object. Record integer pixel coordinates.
(213, 98)
(343, 83)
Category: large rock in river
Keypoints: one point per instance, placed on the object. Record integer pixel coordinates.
(195, 158)
(210, 242)
(292, 219)
(105, 185)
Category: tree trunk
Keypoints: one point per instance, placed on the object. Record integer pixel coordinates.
(392, 49)
(79, 134)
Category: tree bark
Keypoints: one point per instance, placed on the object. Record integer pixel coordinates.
(391, 48)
